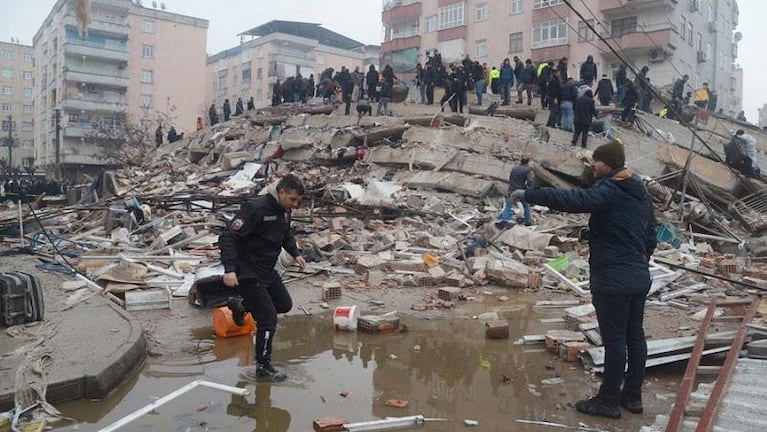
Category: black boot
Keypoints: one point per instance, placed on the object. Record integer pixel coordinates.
(597, 406)
(632, 401)
(267, 373)
(238, 310)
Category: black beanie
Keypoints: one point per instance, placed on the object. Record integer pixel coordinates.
(611, 153)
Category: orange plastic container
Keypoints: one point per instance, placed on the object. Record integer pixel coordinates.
(224, 325)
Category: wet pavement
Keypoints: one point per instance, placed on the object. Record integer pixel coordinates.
(443, 365)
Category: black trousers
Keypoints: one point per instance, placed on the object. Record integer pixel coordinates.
(583, 129)
(621, 325)
(264, 300)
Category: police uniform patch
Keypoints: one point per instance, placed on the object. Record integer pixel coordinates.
(237, 224)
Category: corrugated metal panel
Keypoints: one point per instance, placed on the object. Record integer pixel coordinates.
(742, 409)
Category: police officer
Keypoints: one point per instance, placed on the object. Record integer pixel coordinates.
(250, 246)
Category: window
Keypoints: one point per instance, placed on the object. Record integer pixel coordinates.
(480, 48)
(27, 125)
(7, 73)
(431, 24)
(27, 92)
(148, 52)
(480, 13)
(540, 4)
(708, 50)
(259, 73)
(27, 143)
(6, 125)
(721, 59)
(683, 28)
(584, 31)
(451, 16)
(147, 76)
(689, 33)
(28, 58)
(517, 7)
(27, 109)
(549, 33)
(146, 101)
(7, 91)
(148, 27)
(7, 54)
(260, 52)
(623, 26)
(6, 107)
(515, 43)
(699, 42)
(246, 73)
(28, 76)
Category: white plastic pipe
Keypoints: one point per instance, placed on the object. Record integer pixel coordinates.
(169, 397)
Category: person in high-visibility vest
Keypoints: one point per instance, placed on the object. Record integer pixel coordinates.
(701, 96)
(495, 80)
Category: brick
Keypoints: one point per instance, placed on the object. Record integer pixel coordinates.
(497, 329)
(377, 324)
(366, 263)
(455, 279)
(554, 338)
(329, 424)
(448, 293)
(569, 351)
(551, 251)
(397, 403)
(331, 291)
(410, 266)
(507, 278)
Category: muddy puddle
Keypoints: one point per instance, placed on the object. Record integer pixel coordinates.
(443, 366)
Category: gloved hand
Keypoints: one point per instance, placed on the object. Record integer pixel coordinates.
(518, 195)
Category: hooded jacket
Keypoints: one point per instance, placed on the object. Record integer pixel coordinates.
(589, 69)
(622, 229)
(254, 238)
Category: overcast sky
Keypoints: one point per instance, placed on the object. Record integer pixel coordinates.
(360, 20)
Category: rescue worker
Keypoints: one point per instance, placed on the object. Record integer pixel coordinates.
(250, 246)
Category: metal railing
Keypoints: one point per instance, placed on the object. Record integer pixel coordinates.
(388, 4)
(100, 45)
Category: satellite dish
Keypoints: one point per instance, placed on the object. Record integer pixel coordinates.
(154, 4)
(738, 36)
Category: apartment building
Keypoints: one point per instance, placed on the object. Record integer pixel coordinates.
(277, 50)
(17, 65)
(130, 65)
(671, 37)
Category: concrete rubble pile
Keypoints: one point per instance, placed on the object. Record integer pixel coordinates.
(392, 202)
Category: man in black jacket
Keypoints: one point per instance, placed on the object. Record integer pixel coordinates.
(584, 112)
(250, 246)
(621, 242)
(605, 90)
(589, 70)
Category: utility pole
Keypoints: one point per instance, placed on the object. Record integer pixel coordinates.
(57, 174)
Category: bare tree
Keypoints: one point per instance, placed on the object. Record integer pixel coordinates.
(126, 140)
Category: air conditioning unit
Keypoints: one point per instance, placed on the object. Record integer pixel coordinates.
(657, 55)
(712, 27)
(694, 5)
(702, 56)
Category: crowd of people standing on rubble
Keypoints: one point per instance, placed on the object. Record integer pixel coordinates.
(570, 100)
(14, 188)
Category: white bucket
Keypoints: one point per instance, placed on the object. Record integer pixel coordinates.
(345, 318)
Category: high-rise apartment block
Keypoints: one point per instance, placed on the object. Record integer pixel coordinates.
(671, 37)
(17, 66)
(277, 50)
(129, 63)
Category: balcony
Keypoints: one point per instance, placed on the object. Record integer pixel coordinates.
(401, 43)
(286, 55)
(95, 77)
(648, 37)
(629, 7)
(109, 27)
(400, 11)
(96, 50)
(107, 104)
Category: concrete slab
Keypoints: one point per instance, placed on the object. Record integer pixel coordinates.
(94, 346)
